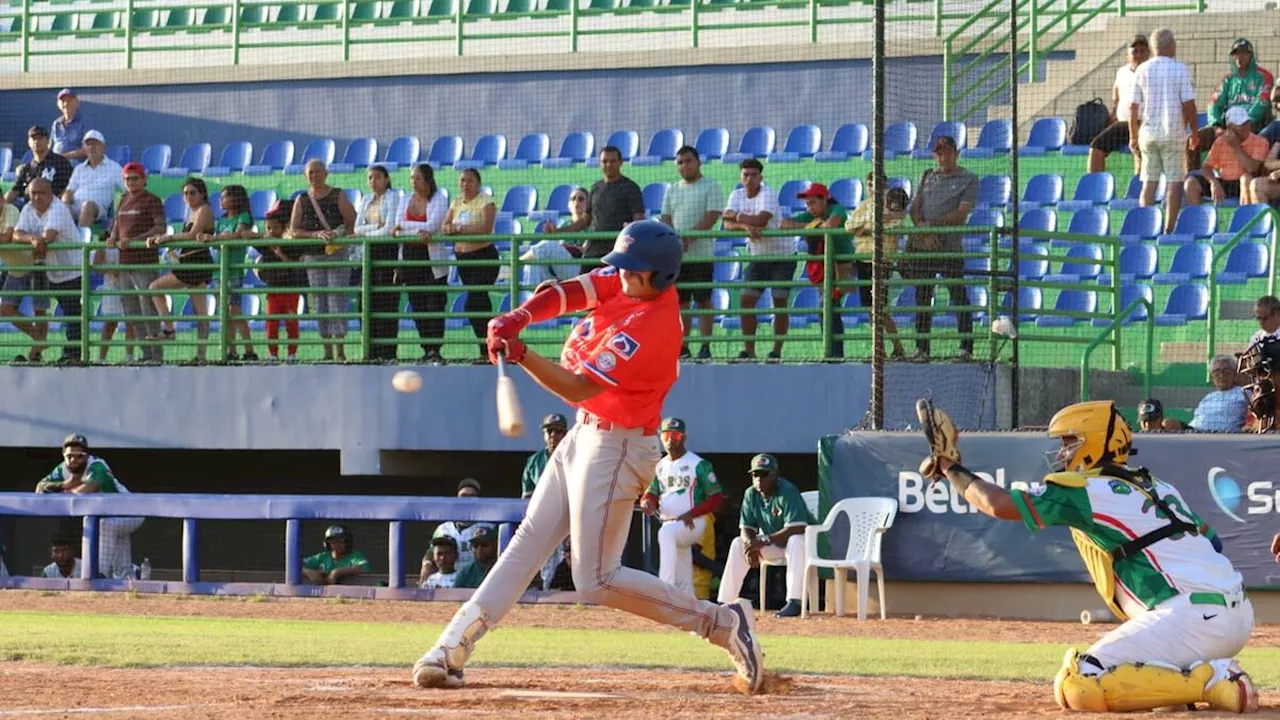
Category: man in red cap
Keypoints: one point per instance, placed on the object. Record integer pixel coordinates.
(141, 215)
(822, 211)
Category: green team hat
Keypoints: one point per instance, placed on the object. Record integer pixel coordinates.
(764, 462)
(449, 540)
(555, 420)
(673, 424)
(484, 533)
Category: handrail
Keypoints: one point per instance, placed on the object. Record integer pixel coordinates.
(1113, 327)
(1219, 255)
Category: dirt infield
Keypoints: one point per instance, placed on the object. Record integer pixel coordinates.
(39, 690)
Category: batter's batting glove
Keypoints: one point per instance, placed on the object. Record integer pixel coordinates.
(942, 436)
(513, 349)
(508, 325)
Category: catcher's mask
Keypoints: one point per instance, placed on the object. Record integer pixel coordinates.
(1261, 363)
(1092, 434)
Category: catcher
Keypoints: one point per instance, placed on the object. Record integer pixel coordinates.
(1155, 563)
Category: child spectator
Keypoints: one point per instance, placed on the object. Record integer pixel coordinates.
(441, 570)
(236, 223)
(280, 303)
(65, 563)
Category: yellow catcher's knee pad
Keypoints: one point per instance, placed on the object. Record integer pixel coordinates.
(1128, 687)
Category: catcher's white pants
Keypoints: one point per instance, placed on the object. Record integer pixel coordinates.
(675, 551)
(587, 492)
(115, 547)
(736, 566)
(1179, 635)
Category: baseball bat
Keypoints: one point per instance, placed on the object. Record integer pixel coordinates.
(510, 414)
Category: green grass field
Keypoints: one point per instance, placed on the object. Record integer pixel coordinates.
(136, 641)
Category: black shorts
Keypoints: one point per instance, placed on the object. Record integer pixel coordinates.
(1112, 138)
(1231, 187)
(770, 271)
(694, 273)
(862, 270)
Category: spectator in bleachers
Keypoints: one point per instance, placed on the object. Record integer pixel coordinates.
(694, 203)
(615, 200)
(45, 163)
(378, 213)
(94, 183)
(1164, 106)
(325, 213)
(44, 220)
(280, 303)
(1246, 86)
(862, 225)
(70, 128)
(440, 566)
(17, 283)
(822, 211)
(1151, 417)
(236, 223)
(1225, 408)
(1266, 187)
(553, 260)
(946, 196)
(1271, 133)
(484, 548)
(1116, 134)
(1267, 312)
(1235, 159)
(339, 561)
(65, 564)
(752, 208)
(140, 216)
(473, 213)
(199, 222)
(423, 213)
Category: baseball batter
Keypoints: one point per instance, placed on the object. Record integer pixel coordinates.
(1156, 564)
(684, 493)
(616, 368)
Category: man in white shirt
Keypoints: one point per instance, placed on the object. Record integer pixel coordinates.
(44, 220)
(94, 182)
(1164, 107)
(1267, 313)
(752, 208)
(18, 283)
(65, 564)
(1116, 134)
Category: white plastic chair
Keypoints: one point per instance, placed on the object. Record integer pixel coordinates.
(811, 502)
(869, 518)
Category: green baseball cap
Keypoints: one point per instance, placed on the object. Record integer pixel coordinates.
(673, 424)
(764, 462)
(442, 539)
(555, 420)
(484, 533)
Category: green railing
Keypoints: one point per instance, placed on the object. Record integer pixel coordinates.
(1113, 329)
(1220, 255)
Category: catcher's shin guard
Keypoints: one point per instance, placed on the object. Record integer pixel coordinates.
(1231, 689)
(442, 665)
(1145, 687)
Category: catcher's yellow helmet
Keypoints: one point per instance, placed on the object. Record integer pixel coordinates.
(1092, 433)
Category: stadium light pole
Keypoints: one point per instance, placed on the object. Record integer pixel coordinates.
(879, 292)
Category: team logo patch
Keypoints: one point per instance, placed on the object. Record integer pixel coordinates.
(622, 243)
(1120, 487)
(624, 345)
(585, 328)
(606, 361)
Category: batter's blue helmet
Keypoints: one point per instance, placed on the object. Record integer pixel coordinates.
(648, 245)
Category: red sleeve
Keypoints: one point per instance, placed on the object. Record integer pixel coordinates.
(710, 505)
(583, 292)
(1269, 81)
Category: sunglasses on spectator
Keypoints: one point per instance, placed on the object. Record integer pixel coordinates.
(674, 434)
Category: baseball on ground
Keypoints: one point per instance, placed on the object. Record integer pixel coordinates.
(406, 381)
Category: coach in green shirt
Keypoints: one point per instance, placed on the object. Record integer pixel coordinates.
(484, 546)
(339, 561)
(554, 428)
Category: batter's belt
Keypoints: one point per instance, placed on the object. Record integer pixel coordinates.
(599, 423)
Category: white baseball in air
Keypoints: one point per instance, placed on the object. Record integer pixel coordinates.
(406, 381)
(1004, 326)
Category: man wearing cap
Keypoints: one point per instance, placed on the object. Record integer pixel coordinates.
(946, 196)
(80, 473)
(1163, 107)
(554, 428)
(339, 561)
(459, 530)
(1246, 86)
(822, 211)
(1236, 158)
(772, 525)
(140, 216)
(45, 220)
(45, 163)
(694, 203)
(440, 567)
(1116, 134)
(17, 283)
(1151, 417)
(684, 495)
(94, 182)
(71, 127)
(484, 548)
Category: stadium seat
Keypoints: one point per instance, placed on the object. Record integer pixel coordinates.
(1094, 221)
(322, 149)
(576, 147)
(996, 138)
(1185, 303)
(1191, 262)
(1092, 189)
(120, 153)
(847, 192)
(1241, 217)
(277, 155)
(194, 159)
(899, 139)
(1042, 190)
(986, 217)
(364, 12)
(653, 195)
(235, 157)
(1040, 219)
(1137, 262)
(727, 268)
(975, 296)
(558, 200)
(6, 159)
(1195, 222)
(802, 142)
(488, 150)
(1134, 194)
(360, 154)
(260, 201)
(906, 298)
(520, 201)
(956, 130)
(481, 8)
(757, 142)
(505, 225)
(215, 204)
(402, 152)
(437, 10)
(662, 147)
(1075, 268)
(1128, 294)
(156, 158)
(994, 191)
(627, 142)
(447, 150)
(1079, 301)
(532, 150)
(849, 141)
(1047, 135)
(1141, 223)
(1246, 260)
(1033, 262)
(175, 208)
(712, 143)
(354, 196)
(519, 7)
(807, 298)
(787, 199)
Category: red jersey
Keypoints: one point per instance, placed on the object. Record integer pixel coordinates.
(630, 346)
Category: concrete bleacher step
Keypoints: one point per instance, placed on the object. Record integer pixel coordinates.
(1235, 309)
(1174, 352)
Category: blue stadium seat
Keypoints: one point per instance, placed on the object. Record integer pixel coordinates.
(260, 201)
(1083, 301)
(757, 142)
(976, 295)
(6, 159)
(235, 157)
(906, 298)
(712, 143)
(354, 195)
(1137, 262)
(653, 195)
(1241, 217)
(520, 200)
(1185, 303)
(662, 147)
(847, 192)
(322, 149)
(1042, 219)
(402, 152)
(1047, 135)
(360, 154)
(215, 204)
(1195, 222)
(849, 141)
(996, 138)
(727, 268)
(899, 139)
(1091, 189)
(505, 225)
(558, 200)
(1033, 263)
(156, 158)
(275, 156)
(175, 208)
(1246, 260)
(1190, 262)
(459, 306)
(1141, 223)
(531, 150)
(804, 141)
(1042, 190)
(488, 150)
(1129, 293)
(787, 199)
(994, 191)
(577, 147)
(447, 151)
(956, 130)
(1093, 221)
(194, 159)
(986, 216)
(808, 299)
(1082, 263)
(122, 154)
(627, 142)
(1134, 194)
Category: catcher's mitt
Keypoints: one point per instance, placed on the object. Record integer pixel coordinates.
(941, 435)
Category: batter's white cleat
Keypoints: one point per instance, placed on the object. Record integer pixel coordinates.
(744, 648)
(431, 671)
